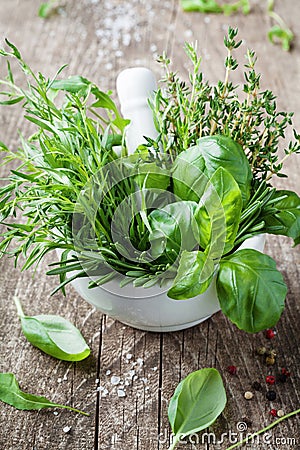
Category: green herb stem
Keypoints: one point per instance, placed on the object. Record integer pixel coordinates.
(72, 409)
(263, 430)
(19, 307)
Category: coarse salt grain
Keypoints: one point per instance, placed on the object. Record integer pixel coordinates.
(108, 372)
(67, 429)
(115, 380)
(121, 393)
(129, 356)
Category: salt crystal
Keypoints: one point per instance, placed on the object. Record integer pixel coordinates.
(59, 380)
(154, 368)
(104, 393)
(55, 413)
(97, 380)
(126, 39)
(135, 377)
(108, 66)
(144, 380)
(115, 380)
(127, 383)
(140, 361)
(108, 372)
(121, 393)
(128, 356)
(67, 429)
(188, 33)
(100, 388)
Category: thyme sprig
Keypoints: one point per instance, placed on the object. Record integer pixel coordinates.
(184, 111)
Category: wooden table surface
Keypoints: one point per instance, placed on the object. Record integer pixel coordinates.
(98, 38)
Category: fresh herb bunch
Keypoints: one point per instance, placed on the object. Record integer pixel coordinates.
(194, 195)
(186, 111)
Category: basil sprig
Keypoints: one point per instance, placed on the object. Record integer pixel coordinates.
(11, 394)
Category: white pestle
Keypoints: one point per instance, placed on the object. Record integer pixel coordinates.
(134, 87)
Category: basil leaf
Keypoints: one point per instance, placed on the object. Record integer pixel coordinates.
(193, 277)
(172, 229)
(251, 290)
(286, 220)
(11, 394)
(219, 213)
(54, 335)
(189, 179)
(210, 153)
(197, 402)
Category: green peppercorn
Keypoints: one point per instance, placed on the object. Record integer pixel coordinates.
(261, 350)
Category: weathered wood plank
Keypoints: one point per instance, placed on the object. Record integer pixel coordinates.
(92, 36)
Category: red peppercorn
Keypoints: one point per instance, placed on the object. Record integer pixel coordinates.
(273, 412)
(270, 334)
(232, 370)
(270, 379)
(285, 372)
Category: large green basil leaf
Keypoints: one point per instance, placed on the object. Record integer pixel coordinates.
(194, 275)
(55, 336)
(251, 290)
(210, 153)
(197, 402)
(172, 229)
(189, 179)
(286, 220)
(219, 213)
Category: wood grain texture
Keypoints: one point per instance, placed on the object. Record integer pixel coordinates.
(97, 39)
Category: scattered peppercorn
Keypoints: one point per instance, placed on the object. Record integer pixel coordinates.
(261, 350)
(273, 412)
(272, 353)
(270, 334)
(248, 395)
(280, 413)
(270, 360)
(285, 372)
(282, 378)
(271, 395)
(270, 379)
(257, 386)
(232, 370)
